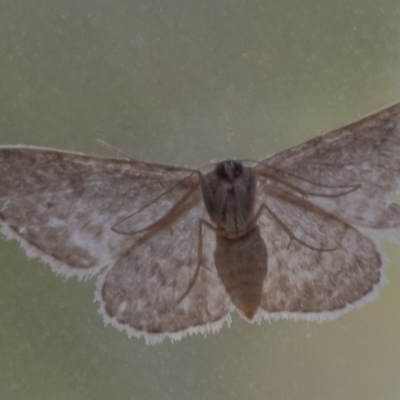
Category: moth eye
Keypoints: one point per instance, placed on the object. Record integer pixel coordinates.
(238, 169)
(220, 170)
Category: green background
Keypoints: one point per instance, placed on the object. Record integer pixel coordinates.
(184, 82)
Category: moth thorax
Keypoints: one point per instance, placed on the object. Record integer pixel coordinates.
(229, 196)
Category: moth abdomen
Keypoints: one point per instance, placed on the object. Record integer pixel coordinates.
(242, 267)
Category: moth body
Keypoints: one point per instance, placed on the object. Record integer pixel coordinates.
(240, 257)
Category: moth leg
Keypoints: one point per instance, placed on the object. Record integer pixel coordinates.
(292, 236)
(183, 199)
(199, 257)
(189, 200)
(304, 193)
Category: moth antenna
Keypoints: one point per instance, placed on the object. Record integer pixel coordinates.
(118, 151)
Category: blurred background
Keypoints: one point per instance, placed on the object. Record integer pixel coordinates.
(186, 82)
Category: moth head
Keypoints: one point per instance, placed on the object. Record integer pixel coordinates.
(229, 170)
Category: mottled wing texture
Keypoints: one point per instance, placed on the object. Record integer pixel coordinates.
(141, 293)
(363, 155)
(80, 214)
(331, 269)
(319, 197)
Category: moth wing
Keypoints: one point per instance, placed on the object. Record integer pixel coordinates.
(62, 207)
(351, 172)
(142, 292)
(80, 214)
(319, 196)
(318, 265)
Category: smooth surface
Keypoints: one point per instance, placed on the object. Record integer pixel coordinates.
(185, 82)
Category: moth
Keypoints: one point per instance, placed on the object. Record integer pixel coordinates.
(176, 250)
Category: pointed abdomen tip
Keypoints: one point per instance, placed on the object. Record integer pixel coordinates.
(249, 313)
